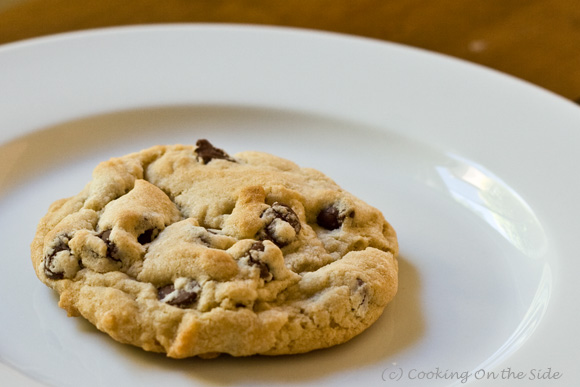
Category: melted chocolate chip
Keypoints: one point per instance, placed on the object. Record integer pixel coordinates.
(112, 250)
(257, 246)
(105, 235)
(61, 246)
(254, 259)
(147, 236)
(164, 291)
(182, 298)
(52, 275)
(284, 213)
(330, 218)
(207, 152)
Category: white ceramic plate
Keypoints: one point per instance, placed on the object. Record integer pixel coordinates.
(477, 171)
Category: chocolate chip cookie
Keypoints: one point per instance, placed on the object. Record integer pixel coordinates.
(189, 251)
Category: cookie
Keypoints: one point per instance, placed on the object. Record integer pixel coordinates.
(189, 251)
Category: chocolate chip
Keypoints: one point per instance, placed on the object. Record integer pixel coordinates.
(182, 297)
(207, 152)
(61, 246)
(253, 259)
(105, 235)
(147, 236)
(164, 291)
(330, 218)
(257, 246)
(112, 250)
(279, 212)
(52, 275)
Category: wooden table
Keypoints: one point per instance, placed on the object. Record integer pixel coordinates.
(535, 40)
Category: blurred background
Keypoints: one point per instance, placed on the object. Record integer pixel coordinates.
(535, 40)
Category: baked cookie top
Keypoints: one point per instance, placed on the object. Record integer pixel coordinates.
(192, 252)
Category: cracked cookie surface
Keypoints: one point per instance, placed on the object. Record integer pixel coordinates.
(189, 251)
